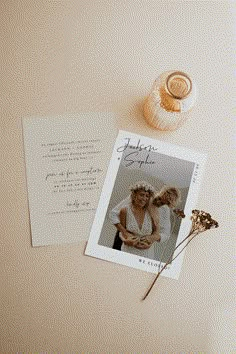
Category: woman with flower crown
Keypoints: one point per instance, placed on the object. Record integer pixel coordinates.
(138, 223)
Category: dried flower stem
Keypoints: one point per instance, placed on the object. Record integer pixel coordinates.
(201, 221)
(192, 233)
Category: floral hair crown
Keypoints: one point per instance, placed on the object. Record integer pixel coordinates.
(142, 185)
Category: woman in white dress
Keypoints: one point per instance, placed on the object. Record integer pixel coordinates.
(137, 223)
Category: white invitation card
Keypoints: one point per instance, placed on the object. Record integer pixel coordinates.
(138, 160)
(66, 162)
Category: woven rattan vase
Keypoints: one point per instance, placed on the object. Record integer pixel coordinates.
(173, 94)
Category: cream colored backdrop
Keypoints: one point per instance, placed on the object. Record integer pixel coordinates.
(72, 56)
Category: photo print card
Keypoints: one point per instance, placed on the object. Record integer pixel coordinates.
(149, 183)
(66, 162)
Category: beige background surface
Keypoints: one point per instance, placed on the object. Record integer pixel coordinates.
(73, 56)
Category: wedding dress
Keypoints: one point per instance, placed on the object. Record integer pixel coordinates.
(146, 229)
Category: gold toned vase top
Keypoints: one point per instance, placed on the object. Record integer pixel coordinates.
(177, 87)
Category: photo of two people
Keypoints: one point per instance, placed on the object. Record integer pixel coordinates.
(145, 221)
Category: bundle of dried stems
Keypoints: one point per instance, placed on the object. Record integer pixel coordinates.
(201, 221)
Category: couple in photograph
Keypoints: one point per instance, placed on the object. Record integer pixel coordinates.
(143, 218)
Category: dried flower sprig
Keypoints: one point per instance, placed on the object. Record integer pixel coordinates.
(201, 221)
(179, 213)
